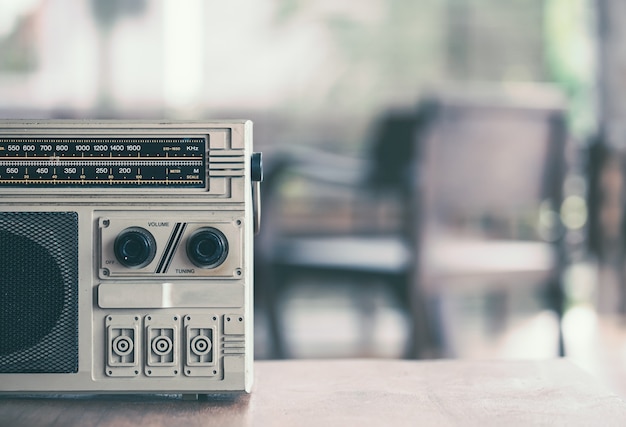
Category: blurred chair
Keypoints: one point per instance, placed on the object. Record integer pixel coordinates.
(358, 240)
(492, 167)
(477, 180)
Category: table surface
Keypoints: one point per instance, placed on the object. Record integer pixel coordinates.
(357, 393)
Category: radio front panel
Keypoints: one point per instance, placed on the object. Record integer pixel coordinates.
(104, 289)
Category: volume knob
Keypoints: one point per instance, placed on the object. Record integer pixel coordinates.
(135, 247)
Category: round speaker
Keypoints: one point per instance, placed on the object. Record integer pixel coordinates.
(31, 290)
(38, 292)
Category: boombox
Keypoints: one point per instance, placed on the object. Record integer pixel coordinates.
(126, 256)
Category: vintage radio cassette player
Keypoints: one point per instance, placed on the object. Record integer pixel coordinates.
(126, 258)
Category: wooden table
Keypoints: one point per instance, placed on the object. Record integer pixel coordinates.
(357, 393)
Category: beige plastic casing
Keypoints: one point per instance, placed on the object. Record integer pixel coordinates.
(182, 303)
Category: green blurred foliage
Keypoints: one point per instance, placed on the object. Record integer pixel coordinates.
(569, 40)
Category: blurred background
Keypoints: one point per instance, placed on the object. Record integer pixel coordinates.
(444, 178)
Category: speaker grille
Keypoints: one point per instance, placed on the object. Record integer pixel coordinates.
(38, 292)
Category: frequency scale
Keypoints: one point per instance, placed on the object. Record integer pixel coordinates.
(103, 162)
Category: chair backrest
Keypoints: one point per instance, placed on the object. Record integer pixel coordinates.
(491, 167)
(393, 151)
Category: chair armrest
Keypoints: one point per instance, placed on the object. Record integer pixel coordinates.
(317, 165)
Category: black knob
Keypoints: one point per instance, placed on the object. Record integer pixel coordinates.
(207, 247)
(135, 247)
(256, 167)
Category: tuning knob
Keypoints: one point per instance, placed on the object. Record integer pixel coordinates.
(207, 247)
